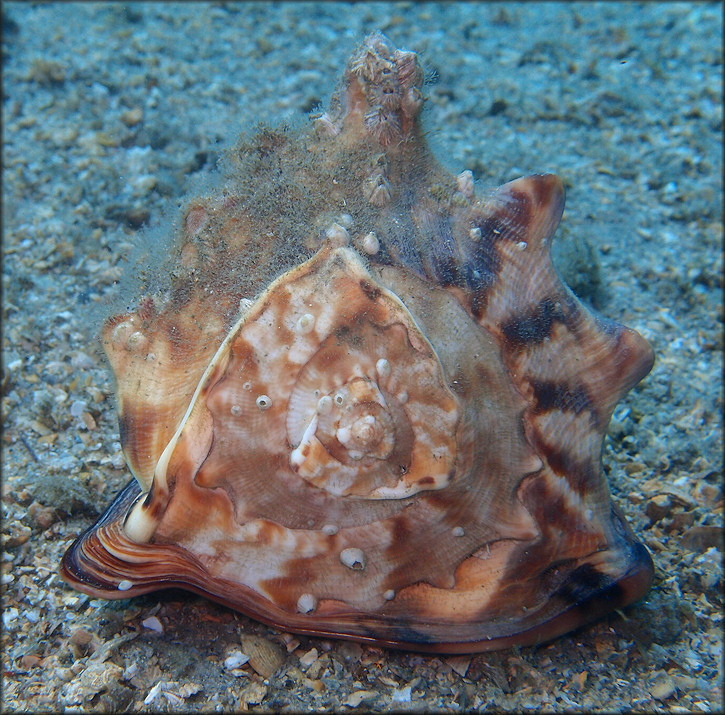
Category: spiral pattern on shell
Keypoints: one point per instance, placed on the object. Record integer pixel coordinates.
(370, 415)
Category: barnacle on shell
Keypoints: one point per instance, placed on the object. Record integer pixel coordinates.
(367, 407)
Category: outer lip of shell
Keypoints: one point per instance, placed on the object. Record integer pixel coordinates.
(583, 597)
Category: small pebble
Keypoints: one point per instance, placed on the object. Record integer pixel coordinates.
(308, 658)
(663, 688)
(9, 616)
(131, 117)
(658, 507)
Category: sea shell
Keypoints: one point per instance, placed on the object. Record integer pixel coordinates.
(367, 407)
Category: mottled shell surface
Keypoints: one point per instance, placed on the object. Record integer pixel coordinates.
(367, 407)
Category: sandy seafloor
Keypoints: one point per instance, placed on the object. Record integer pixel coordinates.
(109, 109)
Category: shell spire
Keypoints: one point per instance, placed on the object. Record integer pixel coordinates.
(382, 96)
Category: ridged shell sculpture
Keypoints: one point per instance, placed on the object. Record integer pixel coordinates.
(367, 407)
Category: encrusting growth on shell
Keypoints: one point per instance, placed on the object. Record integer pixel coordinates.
(353, 558)
(465, 185)
(306, 603)
(364, 405)
(370, 244)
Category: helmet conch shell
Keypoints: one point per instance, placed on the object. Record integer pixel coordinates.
(368, 407)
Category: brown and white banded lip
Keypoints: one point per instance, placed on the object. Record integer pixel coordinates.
(366, 406)
(104, 563)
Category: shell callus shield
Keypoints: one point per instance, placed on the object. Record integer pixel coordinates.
(397, 438)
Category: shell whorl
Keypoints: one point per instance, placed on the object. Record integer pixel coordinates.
(328, 377)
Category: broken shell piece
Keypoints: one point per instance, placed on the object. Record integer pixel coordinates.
(153, 624)
(236, 659)
(265, 656)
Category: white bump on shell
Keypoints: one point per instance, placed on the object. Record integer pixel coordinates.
(370, 244)
(305, 323)
(353, 558)
(264, 402)
(464, 180)
(338, 235)
(382, 367)
(324, 405)
(306, 603)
